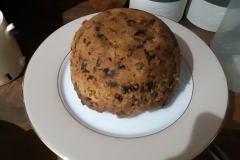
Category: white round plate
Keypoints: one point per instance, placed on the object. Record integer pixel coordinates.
(71, 140)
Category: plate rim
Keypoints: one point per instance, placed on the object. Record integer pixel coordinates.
(79, 19)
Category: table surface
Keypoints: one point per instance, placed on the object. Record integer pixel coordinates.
(11, 99)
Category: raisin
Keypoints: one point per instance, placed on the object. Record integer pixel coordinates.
(130, 52)
(122, 14)
(120, 113)
(100, 24)
(150, 85)
(157, 48)
(142, 89)
(84, 40)
(147, 23)
(102, 37)
(149, 57)
(88, 43)
(139, 46)
(152, 21)
(113, 19)
(151, 77)
(109, 73)
(87, 98)
(112, 30)
(97, 28)
(119, 97)
(126, 89)
(147, 87)
(136, 39)
(164, 103)
(80, 57)
(106, 70)
(112, 84)
(167, 90)
(129, 88)
(122, 58)
(90, 77)
(108, 13)
(139, 32)
(150, 39)
(116, 47)
(120, 65)
(143, 22)
(84, 66)
(135, 101)
(161, 62)
(131, 22)
(98, 63)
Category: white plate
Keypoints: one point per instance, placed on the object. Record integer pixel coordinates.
(71, 140)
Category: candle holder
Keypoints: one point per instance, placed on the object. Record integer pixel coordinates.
(170, 9)
(12, 61)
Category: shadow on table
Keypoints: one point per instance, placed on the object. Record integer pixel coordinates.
(208, 123)
(204, 130)
(18, 144)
